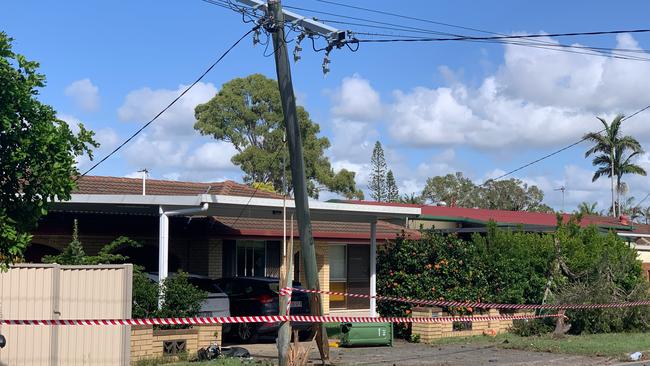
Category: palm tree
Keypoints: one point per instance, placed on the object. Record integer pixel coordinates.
(613, 154)
(412, 199)
(586, 208)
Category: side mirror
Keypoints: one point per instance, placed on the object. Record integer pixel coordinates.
(3, 341)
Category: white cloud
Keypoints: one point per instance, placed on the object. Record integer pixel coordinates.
(106, 137)
(84, 94)
(538, 98)
(171, 148)
(212, 155)
(143, 104)
(356, 100)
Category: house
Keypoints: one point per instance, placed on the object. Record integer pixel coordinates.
(466, 221)
(223, 229)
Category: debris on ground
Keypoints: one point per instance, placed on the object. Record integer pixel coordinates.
(636, 356)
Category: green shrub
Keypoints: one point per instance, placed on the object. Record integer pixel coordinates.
(180, 298)
(532, 327)
(572, 265)
(434, 267)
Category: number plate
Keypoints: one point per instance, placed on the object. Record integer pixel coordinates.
(296, 304)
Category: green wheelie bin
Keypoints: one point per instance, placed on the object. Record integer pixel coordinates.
(366, 334)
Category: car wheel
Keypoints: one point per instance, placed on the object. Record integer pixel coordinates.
(247, 332)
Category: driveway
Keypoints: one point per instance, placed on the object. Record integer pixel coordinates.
(404, 353)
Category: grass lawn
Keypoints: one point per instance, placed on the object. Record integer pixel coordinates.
(617, 345)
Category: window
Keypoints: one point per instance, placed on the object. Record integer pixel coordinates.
(338, 274)
(251, 258)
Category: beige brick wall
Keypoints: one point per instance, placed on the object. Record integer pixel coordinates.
(215, 258)
(147, 343)
(322, 261)
(431, 331)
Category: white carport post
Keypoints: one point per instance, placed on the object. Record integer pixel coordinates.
(373, 268)
(163, 239)
(163, 249)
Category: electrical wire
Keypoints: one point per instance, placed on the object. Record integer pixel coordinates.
(531, 42)
(457, 26)
(560, 150)
(241, 212)
(136, 133)
(522, 36)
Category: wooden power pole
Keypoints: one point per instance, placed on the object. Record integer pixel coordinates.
(334, 37)
(298, 179)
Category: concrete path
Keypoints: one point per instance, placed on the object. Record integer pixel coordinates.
(403, 353)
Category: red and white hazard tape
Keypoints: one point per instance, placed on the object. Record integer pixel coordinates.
(272, 319)
(480, 305)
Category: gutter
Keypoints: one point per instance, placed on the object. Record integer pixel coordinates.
(163, 238)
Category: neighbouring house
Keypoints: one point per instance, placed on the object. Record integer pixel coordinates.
(223, 229)
(466, 221)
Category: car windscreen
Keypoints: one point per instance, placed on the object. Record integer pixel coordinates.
(205, 284)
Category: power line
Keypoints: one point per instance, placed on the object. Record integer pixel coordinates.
(466, 38)
(170, 104)
(459, 26)
(559, 150)
(530, 42)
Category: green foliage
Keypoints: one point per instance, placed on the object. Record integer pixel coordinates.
(377, 182)
(587, 208)
(247, 113)
(603, 269)
(452, 189)
(392, 192)
(180, 298)
(511, 194)
(266, 187)
(37, 152)
(582, 264)
(74, 253)
(435, 267)
(515, 264)
(144, 296)
(412, 199)
(613, 151)
(532, 327)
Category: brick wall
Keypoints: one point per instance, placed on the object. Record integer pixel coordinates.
(215, 258)
(431, 331)
(322, 261)
(147, 343)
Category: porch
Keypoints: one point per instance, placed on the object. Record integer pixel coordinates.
(227, 235)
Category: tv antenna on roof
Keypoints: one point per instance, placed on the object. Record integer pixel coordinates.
(144, 172)
(561, 189)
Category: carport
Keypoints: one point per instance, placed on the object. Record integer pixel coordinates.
(253, 207)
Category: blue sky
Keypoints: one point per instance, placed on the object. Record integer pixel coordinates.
(436, 107)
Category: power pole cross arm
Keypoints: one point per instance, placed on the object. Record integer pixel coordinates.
(332, 34)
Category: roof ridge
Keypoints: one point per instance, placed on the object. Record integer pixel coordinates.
(129, 179)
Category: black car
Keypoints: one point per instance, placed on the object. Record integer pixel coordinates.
(260, 296)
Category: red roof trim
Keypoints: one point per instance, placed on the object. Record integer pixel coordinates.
(316, 234)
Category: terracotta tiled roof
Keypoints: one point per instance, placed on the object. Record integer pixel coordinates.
(320, 229)
(116, 185)
(642, 228)
(499, 216)
(514, 217)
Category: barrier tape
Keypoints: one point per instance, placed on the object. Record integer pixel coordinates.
(273, 319)
(480, 305)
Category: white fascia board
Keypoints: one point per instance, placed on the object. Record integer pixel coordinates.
(128, 199)
(633, 235)
(374, 210)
